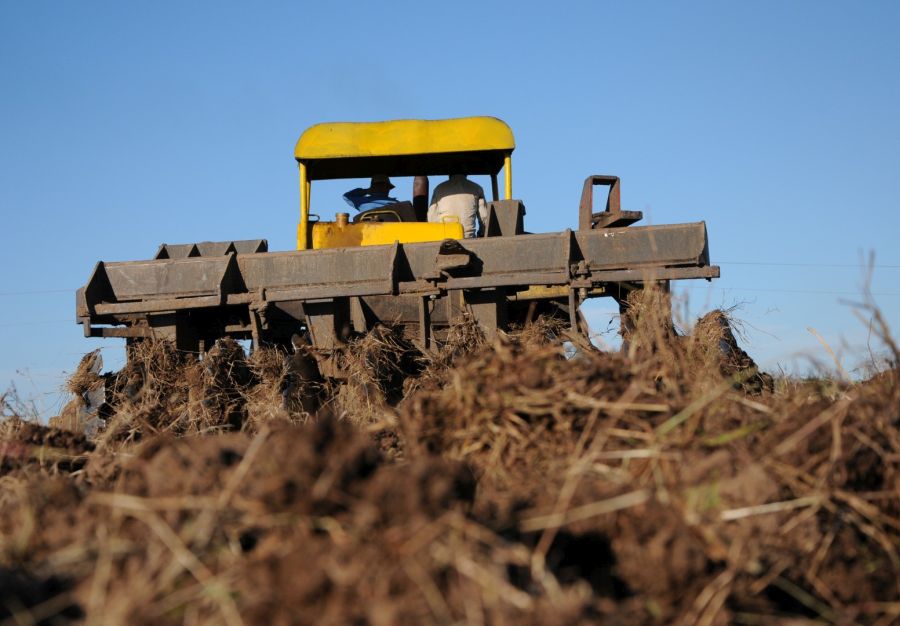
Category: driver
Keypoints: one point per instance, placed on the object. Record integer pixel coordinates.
(375, 196)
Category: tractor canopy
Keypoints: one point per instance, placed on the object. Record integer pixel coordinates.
(469, 145)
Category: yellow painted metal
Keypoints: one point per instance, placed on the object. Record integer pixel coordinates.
(398, 147)
(308, 189)
(403, 137)
(544, 292)
(304, 209)
(507, 175)
(335, 235)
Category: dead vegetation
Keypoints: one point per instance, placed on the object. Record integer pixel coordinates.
(502, 482)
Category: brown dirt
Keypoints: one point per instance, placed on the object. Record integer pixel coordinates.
(488, 483)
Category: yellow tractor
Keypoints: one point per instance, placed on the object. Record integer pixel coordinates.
(390, 265)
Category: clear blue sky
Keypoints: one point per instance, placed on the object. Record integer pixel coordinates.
(126, 125)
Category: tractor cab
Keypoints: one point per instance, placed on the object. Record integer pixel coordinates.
(400, 148)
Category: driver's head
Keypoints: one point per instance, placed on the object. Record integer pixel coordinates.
(381, 182)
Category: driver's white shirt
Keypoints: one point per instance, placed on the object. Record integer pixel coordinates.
(460, 198)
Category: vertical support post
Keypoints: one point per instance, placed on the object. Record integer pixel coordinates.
(424, 324)
(358, 315)
(302, 227)
(328, 322)
(488, 307)
(254, 329)
(573, 310)
(187, 339)
(495, 190)
(507, 174)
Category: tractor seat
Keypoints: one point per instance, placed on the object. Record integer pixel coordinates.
(397, 212)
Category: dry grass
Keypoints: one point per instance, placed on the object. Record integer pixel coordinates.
(669, 484)
(377, 366)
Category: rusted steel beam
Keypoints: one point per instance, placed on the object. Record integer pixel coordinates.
(225, 292)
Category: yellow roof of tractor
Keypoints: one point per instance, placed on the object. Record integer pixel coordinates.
(473, 145)
(404, 147)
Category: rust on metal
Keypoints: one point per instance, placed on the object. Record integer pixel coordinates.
(613, 216)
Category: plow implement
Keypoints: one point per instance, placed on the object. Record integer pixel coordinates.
(195, 294)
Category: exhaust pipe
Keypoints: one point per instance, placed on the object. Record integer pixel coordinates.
(420, 197)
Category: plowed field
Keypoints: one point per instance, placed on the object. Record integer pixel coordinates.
(522, 480)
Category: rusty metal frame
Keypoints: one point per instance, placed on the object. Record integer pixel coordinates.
(194, 298)
(613, 216)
